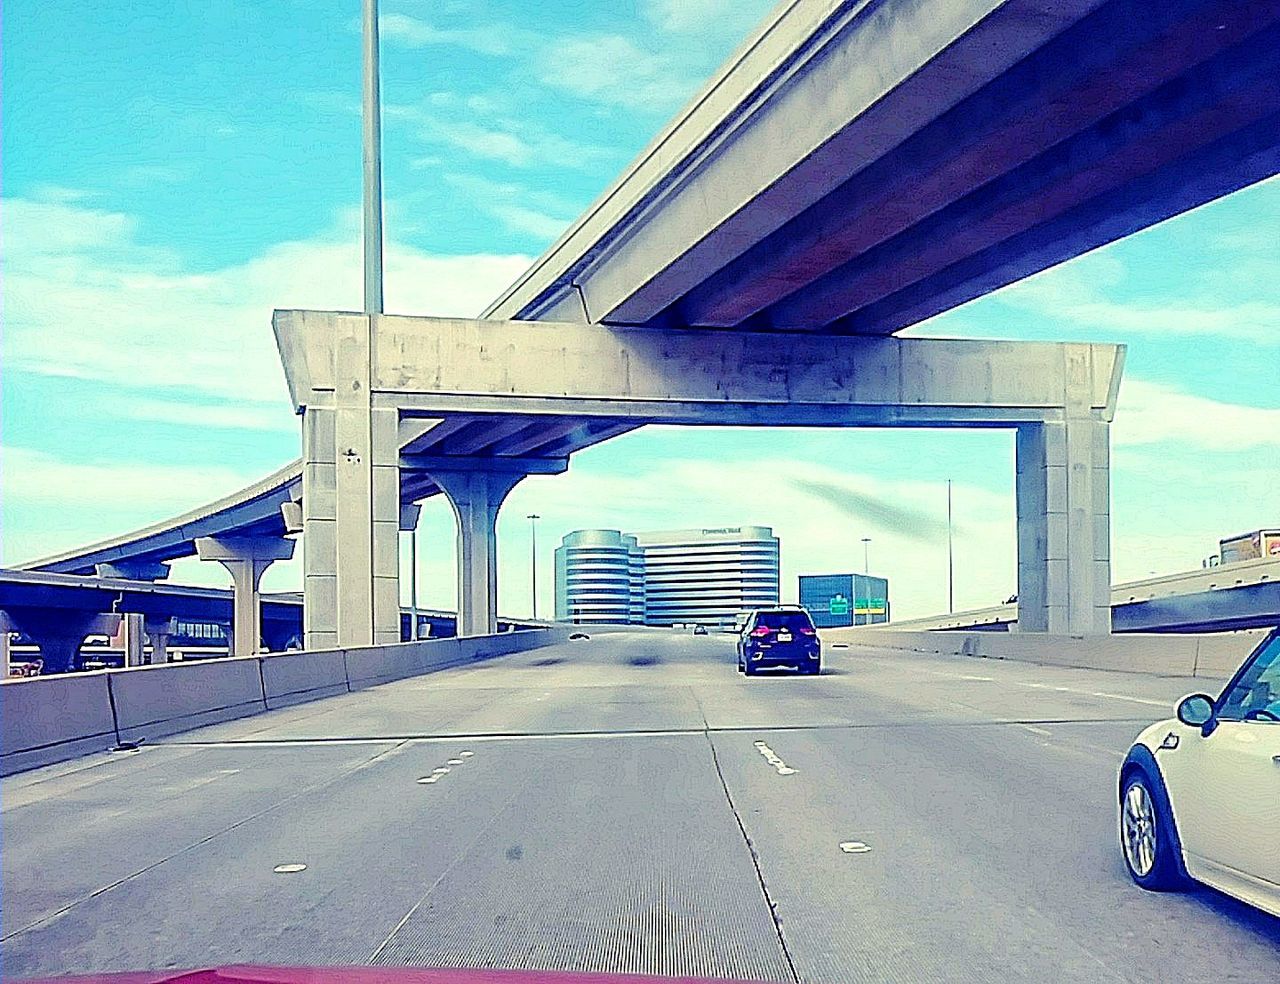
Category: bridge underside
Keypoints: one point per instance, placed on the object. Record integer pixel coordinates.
(859, 168)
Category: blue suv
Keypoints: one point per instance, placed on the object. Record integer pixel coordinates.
(782, 636)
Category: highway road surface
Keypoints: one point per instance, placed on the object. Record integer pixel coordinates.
(630, 804)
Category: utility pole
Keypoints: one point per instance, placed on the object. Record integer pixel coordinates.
(533, 560)
(866, 555)
(372, 164)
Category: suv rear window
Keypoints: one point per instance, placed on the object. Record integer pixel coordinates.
(785, 620)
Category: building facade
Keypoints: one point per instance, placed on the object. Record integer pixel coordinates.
(668, 577)
(599, 578)
(845, 599)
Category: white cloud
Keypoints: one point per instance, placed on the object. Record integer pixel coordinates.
(485, 128)
(415, 32)
(723, 17)
(535, 213)
(84, 299)
(1150, 413)
(613, 70)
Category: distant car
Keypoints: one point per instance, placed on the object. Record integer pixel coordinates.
(699, 630)
(1200, 793)
(782, 636)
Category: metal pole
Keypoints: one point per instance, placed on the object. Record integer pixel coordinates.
(951, 597)
(413, 584)
(372, 164)
(533, 560)
(866, 555)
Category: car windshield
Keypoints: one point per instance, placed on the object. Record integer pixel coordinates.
(1256, 694)
(708, 489)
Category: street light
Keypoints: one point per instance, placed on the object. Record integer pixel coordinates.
(372, 118)
(866, 556)
(533, 559)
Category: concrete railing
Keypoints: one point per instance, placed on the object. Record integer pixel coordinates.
(50, 719)
(1213, 657)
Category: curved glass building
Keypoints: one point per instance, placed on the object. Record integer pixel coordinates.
(599, 578)
(702, 576)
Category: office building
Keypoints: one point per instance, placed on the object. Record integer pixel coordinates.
(668, 577)
(599, 578)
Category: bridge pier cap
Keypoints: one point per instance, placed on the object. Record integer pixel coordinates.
(354, 377)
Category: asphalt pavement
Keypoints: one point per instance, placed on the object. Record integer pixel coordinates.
(629, 804)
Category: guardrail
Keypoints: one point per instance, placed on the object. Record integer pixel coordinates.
(1213, 657)
(51, 719)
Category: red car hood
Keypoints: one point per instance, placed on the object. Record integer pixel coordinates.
(245, 974)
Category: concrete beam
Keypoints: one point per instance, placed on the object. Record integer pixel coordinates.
(447, 365)
(133, 570)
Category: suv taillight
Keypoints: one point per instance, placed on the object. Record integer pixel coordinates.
(809, 631)
(760, 631)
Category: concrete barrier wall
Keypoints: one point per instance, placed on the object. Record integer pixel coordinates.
(294, 678)
(50, 719)
(1213, 657)
(153, 701)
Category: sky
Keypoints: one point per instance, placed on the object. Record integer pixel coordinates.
(172, 175)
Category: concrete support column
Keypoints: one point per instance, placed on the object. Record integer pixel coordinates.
(246, 559)
(476, 497)
(1064, 526)
(5, 653)
(410, 513)
(158, 630)
(351, 506)
(135, 639)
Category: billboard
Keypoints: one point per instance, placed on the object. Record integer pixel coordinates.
(845, 599)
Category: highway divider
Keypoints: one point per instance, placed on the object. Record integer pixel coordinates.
(1212, 657)
(50, 719)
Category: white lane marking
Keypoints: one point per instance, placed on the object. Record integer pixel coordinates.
(1136, 700)
(440, 770)
(466, 755)
(1060, 690)
(289, 869)
(1036, 731)
(979, 679)
(772, 758)
(455, 761)
(855, 847)
(428, 780)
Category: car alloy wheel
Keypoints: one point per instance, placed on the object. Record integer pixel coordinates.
(1138, 822)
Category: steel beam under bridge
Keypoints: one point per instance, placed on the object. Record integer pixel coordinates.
(357, 378)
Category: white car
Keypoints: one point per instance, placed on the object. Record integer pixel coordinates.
(1200, 793)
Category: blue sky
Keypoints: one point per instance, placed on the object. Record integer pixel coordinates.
(173, 175)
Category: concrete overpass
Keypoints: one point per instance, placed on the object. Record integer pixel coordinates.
(852, 170)
(1213, 599)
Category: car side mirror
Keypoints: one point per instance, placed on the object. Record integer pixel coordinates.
(1197, 712)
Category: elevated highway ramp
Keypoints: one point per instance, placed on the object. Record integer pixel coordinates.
(629, 803)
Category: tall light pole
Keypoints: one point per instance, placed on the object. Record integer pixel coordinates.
(866, 555)
(951, 597)
(533, 559)
(372, 164)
